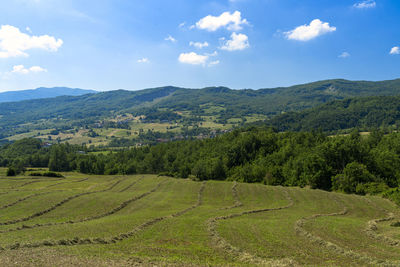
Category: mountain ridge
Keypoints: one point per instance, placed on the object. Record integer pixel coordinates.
(41, 92)
(216, 104)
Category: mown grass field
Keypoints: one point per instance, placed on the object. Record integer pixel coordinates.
(149, 220)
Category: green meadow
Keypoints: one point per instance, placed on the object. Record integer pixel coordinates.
(150, 220)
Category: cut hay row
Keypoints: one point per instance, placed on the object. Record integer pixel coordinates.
(59, 204)
(108, 213)
(236, 198)
(23, 199)
(27, 183)
(30, 178)
(300, 229)
(113, 186)
(81, 180)
(229, 249)
(117, 238)
(372, 227)
(132, 184)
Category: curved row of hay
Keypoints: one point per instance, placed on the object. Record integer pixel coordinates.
(146, 221)
(108, 213)
(131, 185)
(110, 240)
(57, 205)
(242, 256)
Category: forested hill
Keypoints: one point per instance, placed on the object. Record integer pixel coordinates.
(362, 113)
(263, 101)
(42, 92)
(220, 102)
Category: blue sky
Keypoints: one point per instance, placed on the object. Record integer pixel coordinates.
(130, 44)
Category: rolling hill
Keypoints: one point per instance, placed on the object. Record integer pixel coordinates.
(215, 107)
(145, 220)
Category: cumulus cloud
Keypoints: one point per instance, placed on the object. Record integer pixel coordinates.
(170, 38)
(344, 55)
(395, 50)
(14, 43)
(237, 42)
(199, 45)
(365, 4)
(20, 69)
(193, 58)
(143, 60)
(213, 63)
(213, 54)
(307, 32)
(232, 22)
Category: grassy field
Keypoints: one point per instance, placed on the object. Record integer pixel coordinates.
(149, 220)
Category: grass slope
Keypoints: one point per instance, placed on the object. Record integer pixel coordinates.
(147, 220)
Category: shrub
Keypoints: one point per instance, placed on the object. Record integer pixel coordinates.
(393, 195)
(11, 172)
(53, 174)
(47, 174)
(395, 224)
(35, 174)
(353, 174)
(371, 188)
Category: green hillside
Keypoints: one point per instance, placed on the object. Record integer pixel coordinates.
(209, 108)
(362, 113)
(148, 220)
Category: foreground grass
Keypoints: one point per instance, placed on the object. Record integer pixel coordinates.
(149, 220)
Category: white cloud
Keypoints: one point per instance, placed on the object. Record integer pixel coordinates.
(143, 60)
(395, 50)
(20, 69)
(365, 4)
(213, 54)
(193, 58)
(199, 45)
(182, 25)
(344, 55)
(213, 63)
(311, 31)
(14, 43)
(237, 42)
(232, 22)
(171, 39)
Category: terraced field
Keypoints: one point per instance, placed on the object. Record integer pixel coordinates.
(150, 220)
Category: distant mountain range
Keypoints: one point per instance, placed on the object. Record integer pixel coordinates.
(42, 92)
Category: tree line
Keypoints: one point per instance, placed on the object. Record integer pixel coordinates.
(349, 163)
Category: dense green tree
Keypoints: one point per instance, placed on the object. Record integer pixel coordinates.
(354, 174)
(58, 160)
